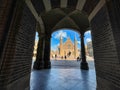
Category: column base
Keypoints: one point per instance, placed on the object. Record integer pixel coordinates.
(38, 65)
(84, 66)
(47, 65)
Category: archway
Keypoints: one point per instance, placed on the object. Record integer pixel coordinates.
(35, 48)
(65, 42)
(65, 48)
(88, 45)
(18, 29)
(61, 47)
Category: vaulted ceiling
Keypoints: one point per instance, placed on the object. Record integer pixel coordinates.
(62, 18)
(58, 14)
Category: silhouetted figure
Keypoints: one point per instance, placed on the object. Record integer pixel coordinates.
(65, 57)
(55, 57)
(62, 57)
(78, 58)
(68, 54)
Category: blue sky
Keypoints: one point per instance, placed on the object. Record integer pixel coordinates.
(55, 37)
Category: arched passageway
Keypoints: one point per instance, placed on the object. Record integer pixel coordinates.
(20, 20)
(66, 45)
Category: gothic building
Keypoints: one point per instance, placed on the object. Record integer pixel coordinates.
(90, 48)
(68, 49)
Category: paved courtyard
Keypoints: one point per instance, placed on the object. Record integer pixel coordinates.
(70, 64)
(64, 75)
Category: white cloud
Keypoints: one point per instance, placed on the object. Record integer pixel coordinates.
(54, 47)
(78, 42)
(59, 34)
(88, 32)
(57, 44)
(88, 39)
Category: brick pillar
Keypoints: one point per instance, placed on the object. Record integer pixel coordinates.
(39, 63)
(84, 64)
(47, 63)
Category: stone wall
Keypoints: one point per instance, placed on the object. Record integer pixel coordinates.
(17, 58)
(105, 52)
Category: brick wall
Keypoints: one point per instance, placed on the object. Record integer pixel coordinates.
(105, 52)
(16, 66)
(6, 10)
(3, 15)
(114, 13)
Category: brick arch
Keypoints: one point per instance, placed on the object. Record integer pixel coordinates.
(45, 6)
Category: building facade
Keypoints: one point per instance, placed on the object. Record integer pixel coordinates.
(67, 49)
(90, 48)
(35, 49)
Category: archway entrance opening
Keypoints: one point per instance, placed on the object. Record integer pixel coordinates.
(66, 48)
(88, 46)
(65, 45)
(35, 48)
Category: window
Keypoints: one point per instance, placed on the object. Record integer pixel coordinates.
(68, 46)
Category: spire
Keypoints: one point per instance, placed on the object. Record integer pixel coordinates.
(61, 44)
(75, 40)
(75, 46)
(68, 37)
(60, 39)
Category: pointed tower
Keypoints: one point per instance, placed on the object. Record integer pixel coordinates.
(61, 46)
(75, 47)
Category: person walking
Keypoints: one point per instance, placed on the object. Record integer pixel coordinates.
(65, 57)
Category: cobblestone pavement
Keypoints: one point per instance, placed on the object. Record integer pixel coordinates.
(70, 64)
(88, 58)
(64, 75)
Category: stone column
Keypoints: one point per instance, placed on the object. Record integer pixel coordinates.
(84, 64)
(39, 63)
(47, 63)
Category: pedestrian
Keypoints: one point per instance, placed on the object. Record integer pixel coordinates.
(78, 59)
(62, 57)
(55, 57)
(65, 57)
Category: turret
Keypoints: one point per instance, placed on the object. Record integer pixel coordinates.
(61, 46)
(75, 47)
(61, 40)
